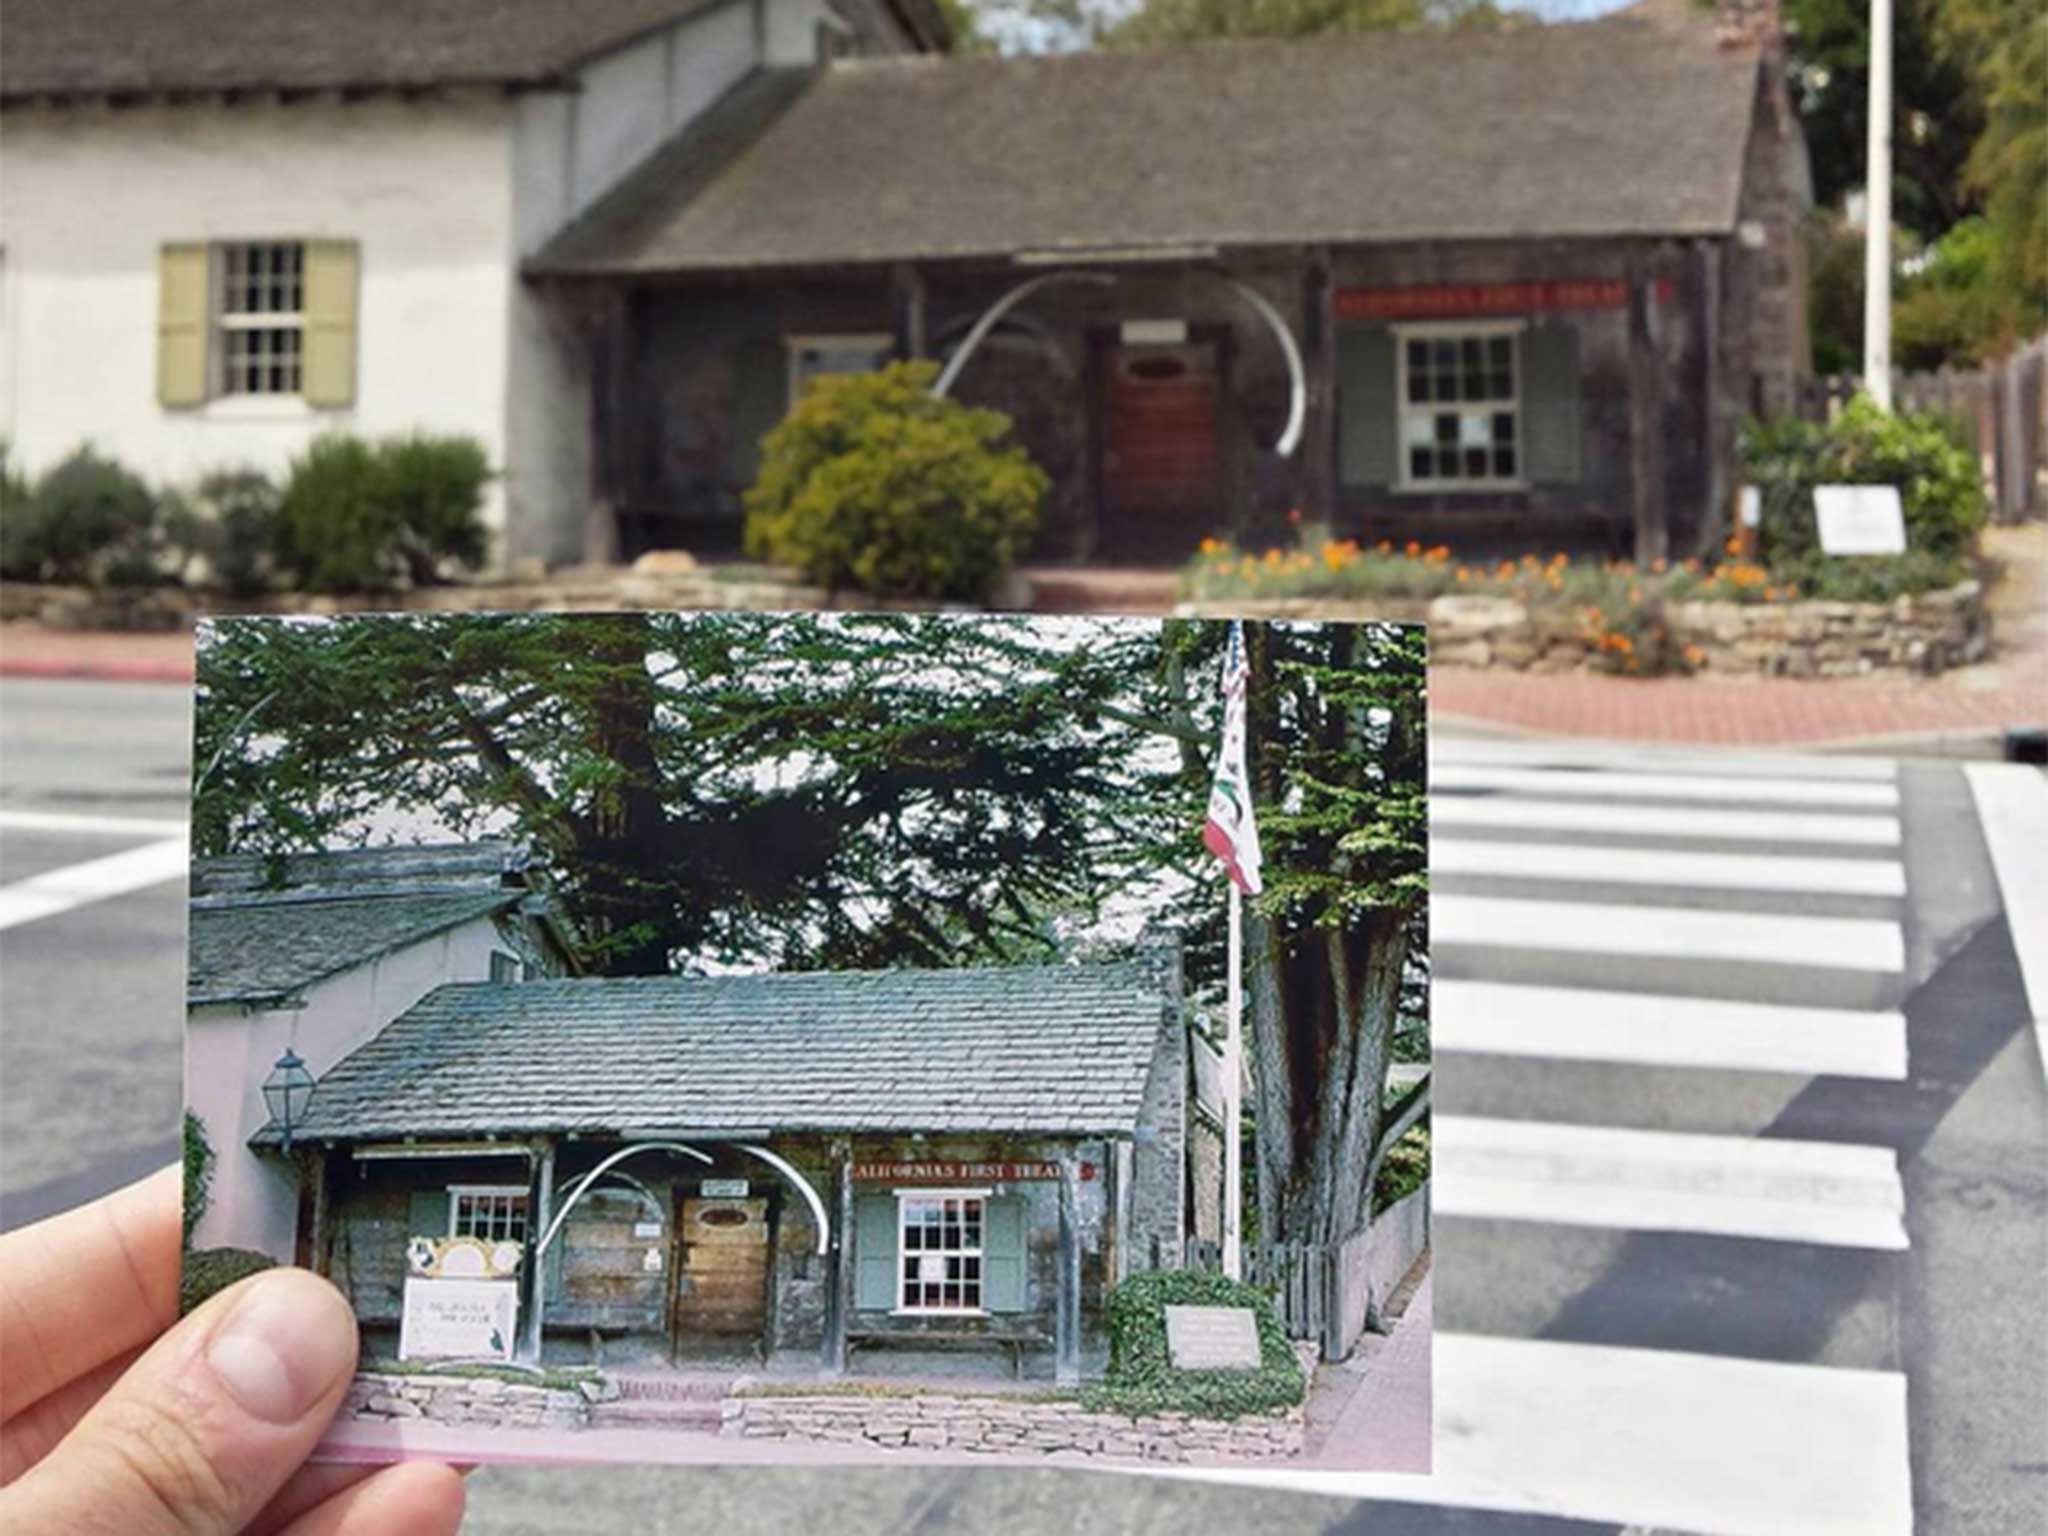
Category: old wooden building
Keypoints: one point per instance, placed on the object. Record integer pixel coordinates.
(1502, 290)
(799, 1167)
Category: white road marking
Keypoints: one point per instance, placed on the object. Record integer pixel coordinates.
(1681, 933)
(1619, 784)
(1669, 1181)
(2012, 808)
(1650, 759)
(1575, 1024)
(1653, 1439)
(59, 890)
(89, 826)
(1853, 828)
(1660, 866)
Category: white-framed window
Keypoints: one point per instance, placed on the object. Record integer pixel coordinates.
(1461, 414)
(493, 1212)
(812, 356)
(939, 1234)
(260, 318)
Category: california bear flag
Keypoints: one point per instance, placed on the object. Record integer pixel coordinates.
(1230, 832)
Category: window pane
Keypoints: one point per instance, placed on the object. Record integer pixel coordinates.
(1418, 354)
(1470, 353)
(1503, 426)
(1504, 463)
(1418, 387)
(1447, 426)
(1500, 351)
(1420, 463)
(1444, 353)
(1501, 385)
(1475, 463)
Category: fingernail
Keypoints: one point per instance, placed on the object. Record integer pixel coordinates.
(282, 1348)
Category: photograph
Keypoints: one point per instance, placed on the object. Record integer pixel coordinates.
(708, 1037)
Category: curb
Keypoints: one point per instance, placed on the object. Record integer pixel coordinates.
(1980, 741)
(107, 671)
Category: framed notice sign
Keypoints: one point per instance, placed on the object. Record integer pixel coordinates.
(458, 1319)
(1859, 519)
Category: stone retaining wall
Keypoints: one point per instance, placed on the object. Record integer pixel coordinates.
(1017, 1427)
(467, 1400)
(1918, 635)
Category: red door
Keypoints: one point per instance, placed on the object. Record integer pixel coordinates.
(1162, 480)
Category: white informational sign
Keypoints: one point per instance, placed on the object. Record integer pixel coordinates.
(723, 1189)
(458, 1319)
(1859, 519)
(1752, 507)
(647, 1229)
(1212, 1338)
(1154, 333)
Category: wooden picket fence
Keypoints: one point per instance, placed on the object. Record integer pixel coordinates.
(1306, 1282)
(2004, 405)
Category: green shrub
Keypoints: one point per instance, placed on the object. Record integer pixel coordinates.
(87, 520)
(198, 1173)
(872, 483)
(1142, 1378)
(20, 536)
(358, 517)
(229, 523)
(209, 1271)
(1940, 486)
(1404, 1170)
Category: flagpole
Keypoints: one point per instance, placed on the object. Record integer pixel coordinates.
(1233, 1097)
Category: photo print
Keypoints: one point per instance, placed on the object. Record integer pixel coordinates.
(731, 1037)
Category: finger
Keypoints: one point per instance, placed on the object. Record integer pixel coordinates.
(312, 1485)
(34, 1432)
(206, 1427)
(415, 1498)
(86, 1286)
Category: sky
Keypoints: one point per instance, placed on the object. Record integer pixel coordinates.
(1004, 20)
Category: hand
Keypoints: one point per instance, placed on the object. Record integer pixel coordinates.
(119, 1419)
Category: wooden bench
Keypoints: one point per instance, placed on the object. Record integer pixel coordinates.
(946, 1339)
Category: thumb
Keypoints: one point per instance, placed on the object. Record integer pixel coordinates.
(207, 1425)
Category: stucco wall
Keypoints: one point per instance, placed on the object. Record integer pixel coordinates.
(92, 194)
(228, 1053)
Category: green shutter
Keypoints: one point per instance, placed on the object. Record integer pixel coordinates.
(1002, 1255)
(760, 399)
(874, 1253)
(1550, 405)
(428, 1216)
(1368, 425)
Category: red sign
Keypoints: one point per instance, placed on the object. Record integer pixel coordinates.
(960, 1173)
(1449, 301)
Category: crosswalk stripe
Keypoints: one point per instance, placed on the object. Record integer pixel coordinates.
(1658, 866)
(1743, 826)
(117, 874)
(1682, 933)
(1650, 1439)
(1577, 1024)
(1669, 1181)
(1664, 786)
(2012, 806)
(89, 826)
(1653, 759)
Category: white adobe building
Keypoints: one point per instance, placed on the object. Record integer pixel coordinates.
(229, 226)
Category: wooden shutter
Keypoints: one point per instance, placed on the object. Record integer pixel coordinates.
(428, 1214)
(1550, 404)
(1002, 1255)
(184, 313)
(1368, 417)
(328, 365)
(760, 399)
(874, 1253)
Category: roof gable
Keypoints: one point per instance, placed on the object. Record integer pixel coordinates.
(1054, 1050)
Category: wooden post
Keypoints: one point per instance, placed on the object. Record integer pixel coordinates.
(1067, 1313)
(543, 1155)
(908, 293)
(839, 1263)
(319, 1245)
(1318, 478)
(1722, 471)
(609, 345)
(1646, 458)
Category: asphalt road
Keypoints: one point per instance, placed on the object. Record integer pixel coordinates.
(1743, 1167)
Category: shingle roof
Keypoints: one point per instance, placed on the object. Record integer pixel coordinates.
(1020, 1050)
(265, 951)
(1616, 127)
(110, 47)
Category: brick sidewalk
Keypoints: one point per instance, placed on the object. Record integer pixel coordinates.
(1976, 705)
(1386, 1425)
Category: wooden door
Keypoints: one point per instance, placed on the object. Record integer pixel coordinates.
(722, 1280)
(1162, 471)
